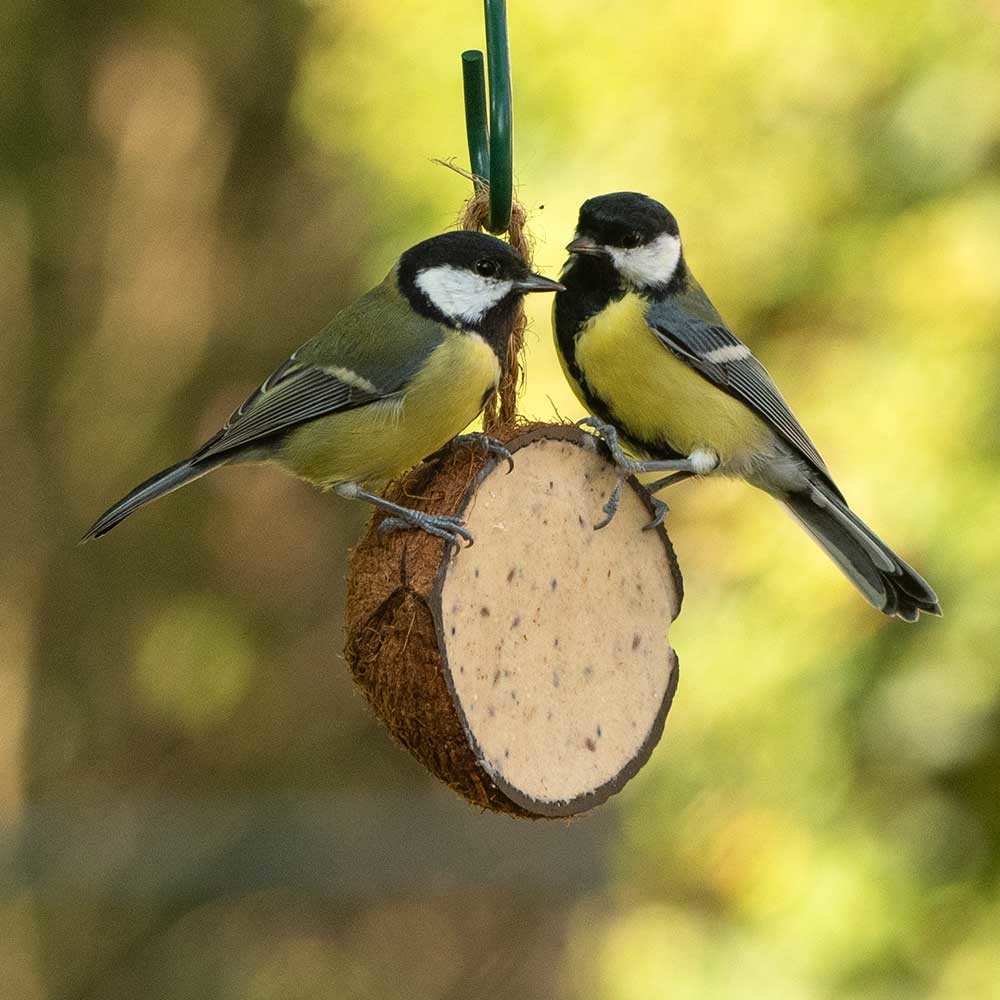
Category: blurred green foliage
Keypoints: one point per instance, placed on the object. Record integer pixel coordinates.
(195, 802)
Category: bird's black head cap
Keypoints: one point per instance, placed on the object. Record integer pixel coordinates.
(625, 219)
(477, 252)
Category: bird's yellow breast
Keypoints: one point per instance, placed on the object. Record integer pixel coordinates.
(653, 395)
(377, 441)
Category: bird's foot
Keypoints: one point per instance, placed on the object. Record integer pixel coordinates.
(609, 435)
(660, 511)
(485, 443)
(614, 502)
(475, 440)
(660, 508)
(451, 529)
(699, 463)
(624, 466)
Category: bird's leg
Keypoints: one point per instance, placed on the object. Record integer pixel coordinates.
(633, 467)
(660, 507)
(698, 463)
(451, 529)
(674, 477)
(475, 440)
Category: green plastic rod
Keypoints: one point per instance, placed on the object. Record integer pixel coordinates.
(501, 175)
(474, 84)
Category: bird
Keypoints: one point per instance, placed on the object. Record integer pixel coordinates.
(659, 371)
(393, 378)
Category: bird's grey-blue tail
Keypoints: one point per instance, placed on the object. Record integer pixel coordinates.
(883, 578)
(157, 486)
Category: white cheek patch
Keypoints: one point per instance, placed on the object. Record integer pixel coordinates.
(653, 264)
(461, 294)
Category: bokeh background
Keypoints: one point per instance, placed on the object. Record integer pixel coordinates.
(194, 802)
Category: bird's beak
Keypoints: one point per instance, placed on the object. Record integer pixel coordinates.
(584, 244)
(538, 283)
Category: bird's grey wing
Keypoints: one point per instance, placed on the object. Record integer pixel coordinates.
(368, 352)
(293, 394)
(688, 326)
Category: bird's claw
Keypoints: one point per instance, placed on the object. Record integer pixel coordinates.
(475, 440)
(488, 444)
(451, 529)
(612, 505)
(609, 435)
(681, 469)
(625, 466)
(660, 511)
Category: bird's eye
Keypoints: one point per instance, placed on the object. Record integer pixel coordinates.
(631, 240)
(487, 268)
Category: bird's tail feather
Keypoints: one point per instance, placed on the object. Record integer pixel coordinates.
(164, 482)
(884, 580)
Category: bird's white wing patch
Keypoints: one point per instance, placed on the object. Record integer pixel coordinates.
(353, 379)
(460, 294)
(730, 352)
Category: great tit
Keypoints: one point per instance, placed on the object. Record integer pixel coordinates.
(650, 357)
(392, 379)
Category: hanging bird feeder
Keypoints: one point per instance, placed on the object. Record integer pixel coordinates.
(532, 671)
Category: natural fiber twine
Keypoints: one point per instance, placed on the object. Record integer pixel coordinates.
(500, 413)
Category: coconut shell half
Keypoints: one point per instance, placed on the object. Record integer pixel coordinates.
(531, 671)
